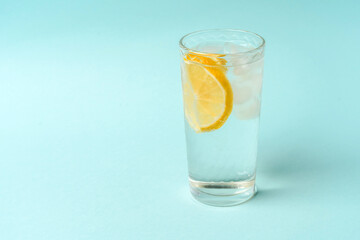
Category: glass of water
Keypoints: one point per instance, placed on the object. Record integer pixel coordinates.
(222, 73)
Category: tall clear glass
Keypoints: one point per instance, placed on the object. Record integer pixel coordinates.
(222, 73)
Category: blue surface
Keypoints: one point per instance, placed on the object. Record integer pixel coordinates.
(91, 130)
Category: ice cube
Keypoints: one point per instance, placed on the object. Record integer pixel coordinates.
(242, 92)
(243, 67)
(231, 48)
(240, 69)
(210, 48)
(256, 83)
(249, 110)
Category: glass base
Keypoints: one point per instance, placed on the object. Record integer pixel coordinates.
(222, 194)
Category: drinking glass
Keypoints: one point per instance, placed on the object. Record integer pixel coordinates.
(221, 73)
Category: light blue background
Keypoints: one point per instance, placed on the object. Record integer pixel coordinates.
(91, 127)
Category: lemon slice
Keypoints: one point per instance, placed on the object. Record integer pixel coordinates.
(208, 97)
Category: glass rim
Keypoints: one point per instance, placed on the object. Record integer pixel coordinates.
(182, 45)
